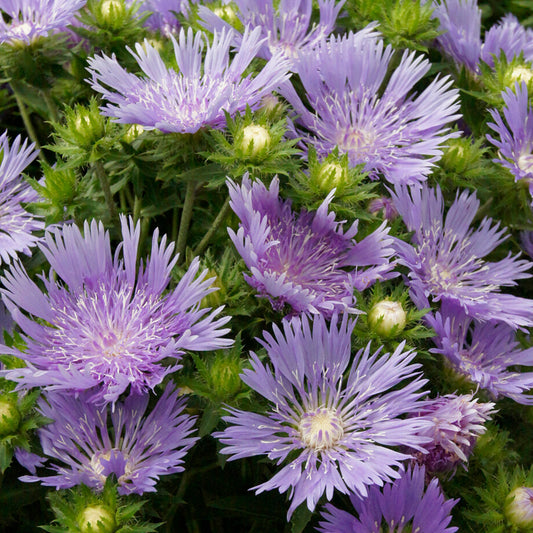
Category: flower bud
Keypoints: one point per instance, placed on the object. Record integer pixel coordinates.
(97, 519)
(224, 375)
(255, 139)
(519, 507)
(111, 10)
(331, 175)
(387, 317)
(384, 206)
(9, 415)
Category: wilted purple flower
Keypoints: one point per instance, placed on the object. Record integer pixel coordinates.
(460, 20)
(285, 24)
(330, 425)
(515, 142)
(28, 19)
(446, 258)
(195, 96)
(400, 506)
(509, 37)
(104, 326)
(304, 260)
(387, 129)
(162, 14)
(137, 449)
(456, 422)
(486, 353)
(16, 224)
(383, 205)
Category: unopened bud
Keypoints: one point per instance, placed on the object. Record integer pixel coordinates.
(112, 9)
(387, 317)
(254, 139)
(519, 507)
(331, 175)
(97, 519)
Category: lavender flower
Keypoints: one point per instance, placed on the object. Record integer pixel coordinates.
(137, 450)
(446, 258)
(486, 353)
(29, 19)
(509, 37)
(330, 425)
(285, 25)
(304, 260)
(194, 97)
(456, 423)
(515, 142)
(401, 506)
(17, 226)
(460, 20)
(104, 326)
(389, 131)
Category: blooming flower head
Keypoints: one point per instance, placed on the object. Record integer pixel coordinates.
(101, 325)
(331, 424)
(389, 130)
(460, 20)
(137, 447)
(303, 260)
(17, 226)
(515, 143)
(402, 506)
(285, 24)
(509, 37)
(197, 95)
(29, 19)
(486, 353)
(446, 258)
(456, 423)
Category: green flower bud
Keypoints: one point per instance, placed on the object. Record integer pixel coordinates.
(109, 11)
(387, 317)
(519, 507)
(521, 73)
(86, 125)
(255, 139)
(224, 375)
(97, 519)
(133, 132)
(228, 14)
(331, 175)
(9, 415)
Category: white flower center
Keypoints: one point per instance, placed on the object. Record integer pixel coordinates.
(525, 163)
(321, 429)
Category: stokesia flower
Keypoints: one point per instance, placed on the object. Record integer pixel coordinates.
(456, 422)
(486, 353)
(515, 143)
(460, 22)
(402, 506)
(304, 260)
(100, 325)
(333, 419)
(446, 262)
(17, 226)
(509, 37)
(285, 24)
(384, 126)
(163, 14)
(29, 19)
(137, 447)
(197, 94)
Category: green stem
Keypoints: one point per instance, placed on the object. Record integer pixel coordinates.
(214, 227)
(137, 205)
(106, 189)
(186, 215)
(50, 104)
(27, 122)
